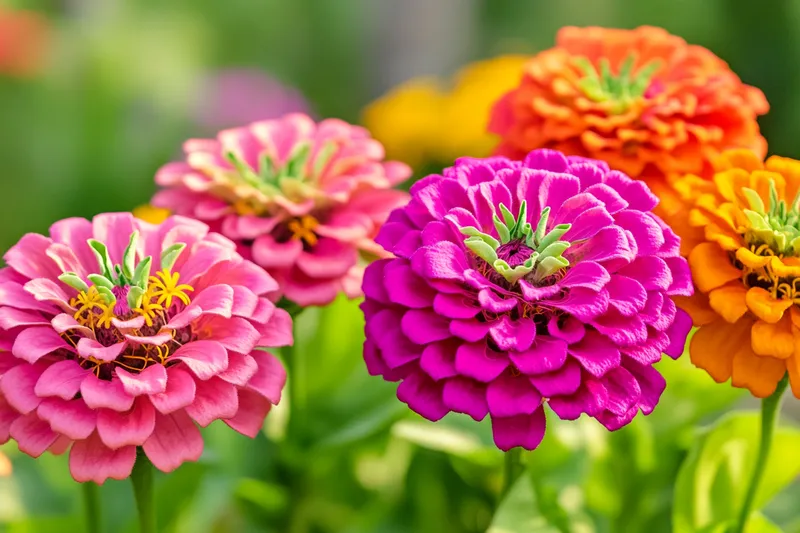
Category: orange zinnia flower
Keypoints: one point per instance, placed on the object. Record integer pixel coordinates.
(741, 233)
(24, 37)
(643, 100)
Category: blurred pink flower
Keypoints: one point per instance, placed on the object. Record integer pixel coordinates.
(239, 96)
(300, 199)
(99, 356)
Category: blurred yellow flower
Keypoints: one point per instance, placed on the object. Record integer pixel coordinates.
(153, 215)
(421, 122)
(5, 466)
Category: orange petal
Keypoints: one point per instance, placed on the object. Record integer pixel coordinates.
(739, 158)
(751, 260)
(793, 366)
(784, 268)
(774, 340)
(698, 308)
(759, 375)
(711, 267)
(729, 301)
(713, 346)
(764, 306)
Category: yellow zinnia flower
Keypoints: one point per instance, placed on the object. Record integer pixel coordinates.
(420, 122)
(153, 215)
(741, 233)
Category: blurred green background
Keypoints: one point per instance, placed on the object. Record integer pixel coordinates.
(123, 83)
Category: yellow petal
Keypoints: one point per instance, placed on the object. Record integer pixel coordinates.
(784, 268)
(153, 215)
(764, 306)
(773, 340)
(751, 260)
(738, 158)
(711, 267)
(729, 301)
(759, 375)
(713, 346)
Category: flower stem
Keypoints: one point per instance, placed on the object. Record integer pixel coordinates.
(91, 506)
(142, 478)
(770, 409)
(512, 467)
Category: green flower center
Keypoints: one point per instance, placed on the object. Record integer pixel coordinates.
(778, 227)
(521, 251)
(621, 89)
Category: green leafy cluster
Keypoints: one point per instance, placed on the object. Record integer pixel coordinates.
(128, 274)
(778, 227)
(622, 89)
(547, 256)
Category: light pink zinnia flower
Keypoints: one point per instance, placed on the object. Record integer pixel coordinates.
(300, 199)
(100, 356)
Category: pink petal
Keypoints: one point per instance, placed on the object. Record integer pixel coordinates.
(12, 318)
(596, 353)
(74, 232)
(89, 349)
(270, 377)
(467, 396)
(511, 395)
(546, 354)
(240, 369)
(521, 430)
(423, 396)
(131, 428)
(33, 435)
(179, 393)
(438, 360)
(91, 460)
(253, 409)
(205, 358)
(114, 230)
(7, 416)
(564, 381)
(29, 257)
(204, 255)
(18, 386)
(71, 418)
(424, 326)
(216, 300)
(215, 399)
(99, 393)
(278, 331)
(62, 379)
(152, 380)
(478, 362)
(64, 322)
(269, 253)
(34, 343)
(236, 333)
(245, 302)
(14, 295)
(175, 440)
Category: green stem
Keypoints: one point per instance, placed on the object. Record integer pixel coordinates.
(512, 466)
(91, 505)
(142, 478)
(770, 409)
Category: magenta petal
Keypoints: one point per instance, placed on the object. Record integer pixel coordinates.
(623, 390)
(270, 377)
(678, 332)
(534, 294)
(596, 353)
(179, 393)
(33, 435)
(495, 303)
(34, 343)
(71, 418)
(152, 380)
(652, 272)
(464, 395)
(546, 355)
(526, 431)
(406, 288)
(511, 395)
(470, 330)
(423, 396)
(587, 275)
(373, 283)
(98, 393)
(455, 306)
(583, 304)
(174, 441)
(62, 379)
(91, 460)
(622, 330)
(626, 294)
(18, 386)
(478, 362)
(424, 327)
(571, 330)
(131, 428)
(648, 234)
(205, 358)
(253, 409)
(445, 261)
(681, 277)
(12, 318)
(562, 382)
(215, 399)
(588, 224)
(438, 360)
(511, 334)
(589, 399)
(651, 384)
(613, 422)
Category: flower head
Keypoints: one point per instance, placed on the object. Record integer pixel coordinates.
(300, 199)
(643, 100)
(741, 233)
(420, 122)
(517, 284)
(120, 334)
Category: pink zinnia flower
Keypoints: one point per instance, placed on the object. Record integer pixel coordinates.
(519, 284)
(300, 199)
(101, 357)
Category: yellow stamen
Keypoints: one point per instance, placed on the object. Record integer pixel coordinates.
(165, 288)
(304, 229)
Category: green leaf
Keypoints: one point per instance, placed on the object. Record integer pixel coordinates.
(103, 259)
(142, 273)
(713, 480)
(100, 281)
(129, 257)
(170, 255)
(73, 280)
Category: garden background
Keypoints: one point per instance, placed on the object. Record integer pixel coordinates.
(119, 86)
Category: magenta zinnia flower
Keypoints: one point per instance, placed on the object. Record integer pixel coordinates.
(517, 284)
(300, 199)
(102, 356)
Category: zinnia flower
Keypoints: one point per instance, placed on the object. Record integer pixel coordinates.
(420, 122)
(517, 284)
(118, 334)
(741, 233)
(643, 100)
(300, 199)
(24, 36)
